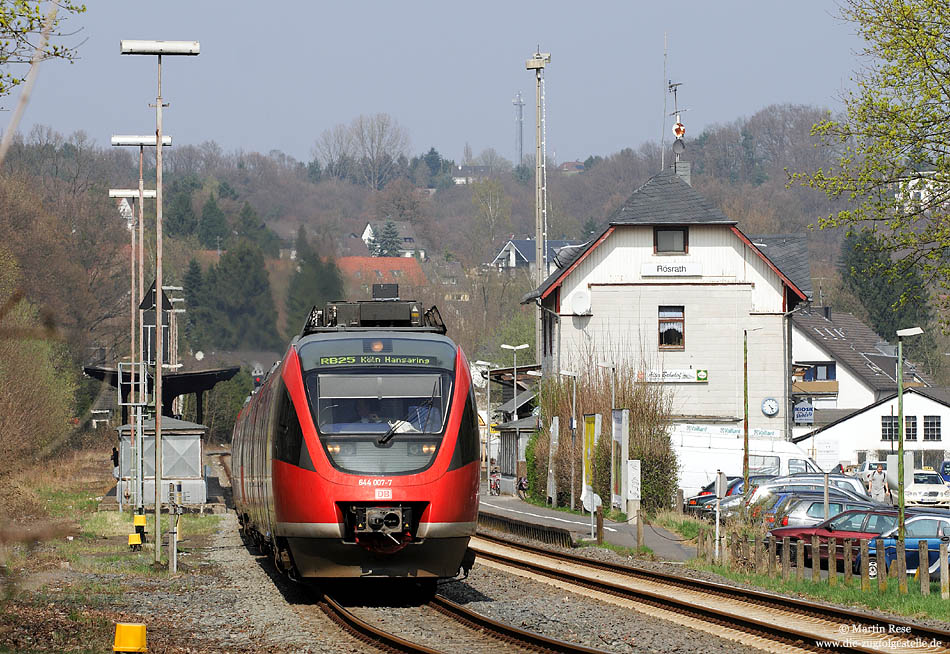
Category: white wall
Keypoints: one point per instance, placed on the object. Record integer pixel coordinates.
(736, 291)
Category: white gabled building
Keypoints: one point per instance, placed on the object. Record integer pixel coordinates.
(668, 290)
(871, 432)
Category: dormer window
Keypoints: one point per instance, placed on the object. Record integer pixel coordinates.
(670, 240)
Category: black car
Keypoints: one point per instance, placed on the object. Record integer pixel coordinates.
(696, 503)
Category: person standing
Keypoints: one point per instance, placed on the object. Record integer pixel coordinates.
(877, 485)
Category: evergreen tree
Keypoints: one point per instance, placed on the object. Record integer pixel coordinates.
(245, 314)
(314, 283)
(388, 244)
(250, 227)
(433, 161)
(213, 225)
(179, 218)
(193, 284)
(892, 292)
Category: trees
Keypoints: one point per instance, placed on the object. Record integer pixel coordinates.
(893, 161)
(369, 151)
(492, 209)
(388, 244)
(213, 225)
(314, 283)
(864, 271)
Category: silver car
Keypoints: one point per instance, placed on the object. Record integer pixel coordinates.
(810, 511)
(845, 482)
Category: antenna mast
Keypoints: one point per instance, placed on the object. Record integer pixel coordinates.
(679, 130)
(519, 126)
(663, 129)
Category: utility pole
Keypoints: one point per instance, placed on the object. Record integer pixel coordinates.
(537, 64)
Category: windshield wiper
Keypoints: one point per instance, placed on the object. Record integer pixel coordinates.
(388, 436)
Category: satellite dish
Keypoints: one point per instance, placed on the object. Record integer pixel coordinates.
(199, 355)
(679, 147)
(580, 303)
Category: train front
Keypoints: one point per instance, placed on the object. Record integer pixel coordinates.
(394, 450)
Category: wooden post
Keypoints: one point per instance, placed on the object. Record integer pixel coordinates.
(772, 561)
(865, 579)
(901, 568)
(944, 573)
(815, 559)
(639, 529)
(600, 525)
(832, 562)
(785, 559)
(701, 544)
(679, 501)
(799, 560)
(747, 554)
(923, 566)
(881, 565)
(724, 553)
(848, 561)
(761, 553)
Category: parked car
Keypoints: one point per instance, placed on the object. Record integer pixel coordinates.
(928, 489)
(801, 487)
(855, 524)
(865, 469)
(759, 506)
(754, 481)
(695, 503)
(809, 510)
(834, 480)
(931, 528)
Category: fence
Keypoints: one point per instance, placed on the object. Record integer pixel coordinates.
(767, 555)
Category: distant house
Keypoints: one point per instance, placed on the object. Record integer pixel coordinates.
(520, 253)
(360, 273)
(470, 174)
(571, 167)
(451, 277)
(410, 246)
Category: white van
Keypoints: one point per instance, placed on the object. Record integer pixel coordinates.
(701, 455)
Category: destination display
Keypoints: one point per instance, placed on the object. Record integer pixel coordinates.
(376, 360)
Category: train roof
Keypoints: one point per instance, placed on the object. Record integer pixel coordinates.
(377, 332)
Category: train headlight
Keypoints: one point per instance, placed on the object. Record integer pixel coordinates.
(346, 449)
(421, 449)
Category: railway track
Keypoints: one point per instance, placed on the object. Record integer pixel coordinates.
(761, 619)
(482, 634)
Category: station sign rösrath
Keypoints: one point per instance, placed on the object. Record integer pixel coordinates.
(687, 375)
(671, 269)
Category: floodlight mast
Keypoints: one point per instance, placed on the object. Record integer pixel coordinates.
(537, 62)
(141, 47)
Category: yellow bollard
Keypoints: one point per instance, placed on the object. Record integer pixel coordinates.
(135, 542)
(129, 638)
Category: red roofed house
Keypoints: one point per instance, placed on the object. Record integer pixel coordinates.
(360, 273)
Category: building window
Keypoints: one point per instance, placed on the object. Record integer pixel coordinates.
(931, 428)
(396, 273)
(820, 372)
(379, 274)
(672, 328)
(910, 428)
(888, 428)
(668, 240)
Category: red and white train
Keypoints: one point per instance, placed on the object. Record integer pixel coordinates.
(358, 455)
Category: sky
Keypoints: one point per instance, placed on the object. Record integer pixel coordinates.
(276, 75)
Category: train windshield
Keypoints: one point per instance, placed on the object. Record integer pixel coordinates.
(380, 404)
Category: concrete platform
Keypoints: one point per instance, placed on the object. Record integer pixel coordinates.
(665, 545)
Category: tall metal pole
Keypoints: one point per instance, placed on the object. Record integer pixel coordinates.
(133, 442)
(159, 350)
(142, 395)
(488, 434)
(900, 438)
(537, 63)
(745, 405)
(573, 434)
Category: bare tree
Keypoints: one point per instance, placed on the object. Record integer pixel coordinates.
(379, 142)
(495, 163)
(335, 149)
(492, 210)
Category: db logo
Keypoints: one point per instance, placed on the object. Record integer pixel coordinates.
(702, 375)
(384, 493)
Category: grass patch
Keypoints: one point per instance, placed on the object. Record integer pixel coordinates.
(639, 552)
(913, 604)
(684, 525)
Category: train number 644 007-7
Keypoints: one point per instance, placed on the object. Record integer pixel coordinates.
(376, 482)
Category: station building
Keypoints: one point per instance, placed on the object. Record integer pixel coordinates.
(671, 291)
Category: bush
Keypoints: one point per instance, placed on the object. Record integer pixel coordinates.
(649, 406)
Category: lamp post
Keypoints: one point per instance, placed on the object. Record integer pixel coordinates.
(573, 376)
(613, 382)
(514, 349)
(158, 48)
(488, 364)
(901, 333)
(136, 379)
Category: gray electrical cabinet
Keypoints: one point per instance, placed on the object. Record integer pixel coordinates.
(181, 460)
